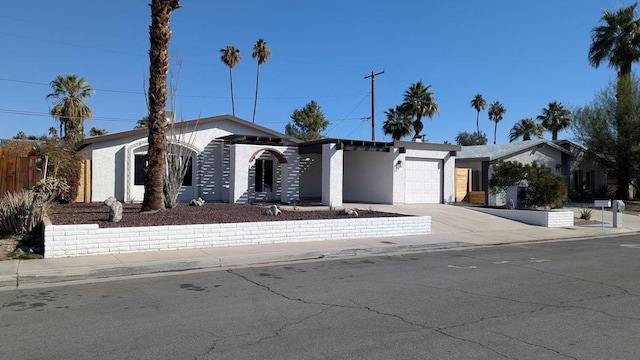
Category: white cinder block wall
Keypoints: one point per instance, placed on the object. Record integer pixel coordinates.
(89, 239)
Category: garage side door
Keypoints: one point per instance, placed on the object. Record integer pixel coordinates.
(423, 182)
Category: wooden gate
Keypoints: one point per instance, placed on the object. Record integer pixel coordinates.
(463, 184)
(18, 173)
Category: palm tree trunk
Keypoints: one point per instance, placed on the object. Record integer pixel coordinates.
(159, 35)
(255, 101)
(478, 123)
(233, 105)
(495, 132)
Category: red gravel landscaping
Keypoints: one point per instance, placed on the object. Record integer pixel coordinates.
(209, 213)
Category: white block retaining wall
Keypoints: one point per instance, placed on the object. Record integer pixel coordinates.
(553, 218)
(89, 239)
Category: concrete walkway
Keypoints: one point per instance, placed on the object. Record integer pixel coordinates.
(452, 227)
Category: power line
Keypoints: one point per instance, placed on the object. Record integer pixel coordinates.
(197, 96)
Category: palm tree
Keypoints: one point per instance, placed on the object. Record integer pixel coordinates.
(478, 103)
(398, 123)
(617, 41)
(261, 53)
(159, 36)
(70, 94)
(526, 128)
(97, 132)
(142, 123)
(555, 117)
(230, 56)
(496, 113)
(419, 102)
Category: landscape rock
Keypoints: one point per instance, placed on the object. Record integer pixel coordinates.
(115, 211)
(196, 202)
(348, 212)
(273, 211)
(110, 200)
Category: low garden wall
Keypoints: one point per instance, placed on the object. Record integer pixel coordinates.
(552, 218)
(89, 239)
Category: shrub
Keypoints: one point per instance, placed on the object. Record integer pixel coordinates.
(603, 192)
(505, 174)
(50, 189)
(21, 212)
(545, 189)
(585, 214)
(541, 188)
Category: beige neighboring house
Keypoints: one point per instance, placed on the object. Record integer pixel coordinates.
(236, 161)
(477, 161)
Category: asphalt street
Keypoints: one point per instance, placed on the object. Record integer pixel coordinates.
(574, 299)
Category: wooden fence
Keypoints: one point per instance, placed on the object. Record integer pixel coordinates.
(18, 173)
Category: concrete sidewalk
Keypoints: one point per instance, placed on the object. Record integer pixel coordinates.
(452, 227)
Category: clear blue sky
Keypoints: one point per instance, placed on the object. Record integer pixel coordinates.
(521, 53)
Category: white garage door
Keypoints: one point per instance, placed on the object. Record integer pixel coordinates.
(423, 182)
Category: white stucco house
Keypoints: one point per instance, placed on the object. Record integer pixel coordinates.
(479, 160)
(236, 161)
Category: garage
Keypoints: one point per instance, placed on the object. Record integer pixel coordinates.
(423, 182)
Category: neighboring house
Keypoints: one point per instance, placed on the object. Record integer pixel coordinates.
(585, 176)
(237, 161)
(477, 161)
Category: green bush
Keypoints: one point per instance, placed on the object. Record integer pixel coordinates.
(21, 212)
(545, 189)
(541, 188)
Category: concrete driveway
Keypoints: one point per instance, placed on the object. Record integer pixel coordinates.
(459, 223)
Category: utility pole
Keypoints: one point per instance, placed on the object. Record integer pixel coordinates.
(373, 116)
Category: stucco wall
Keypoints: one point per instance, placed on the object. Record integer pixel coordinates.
(368, 177)
(311, 176)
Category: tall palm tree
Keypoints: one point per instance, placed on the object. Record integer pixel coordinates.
(230, 56)
(261, 53)
(70, 94)
(496, 113)
(419, 102)
(555, 117)
(398, 123)
(159, 36)
(618, 40)
(478, 103)
(526, 128)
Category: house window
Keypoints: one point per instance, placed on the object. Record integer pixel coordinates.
(264, 175)
(140, 171)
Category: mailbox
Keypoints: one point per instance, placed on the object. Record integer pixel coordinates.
(602, 203)
(621, 205)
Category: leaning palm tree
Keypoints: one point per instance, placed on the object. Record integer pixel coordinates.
(555, 117)
(159, 36)
(70, 94)
(617, 41)
(478, 103)
(419, 102)
(261, 53)
(398, 123)
(525, 128)
(230, 56)
(496, 113)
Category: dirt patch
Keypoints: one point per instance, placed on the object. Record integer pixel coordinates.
(209, 213)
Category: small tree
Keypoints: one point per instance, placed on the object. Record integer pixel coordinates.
(542, 188)
(308, 122)
(466, 139)
(505, 174)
